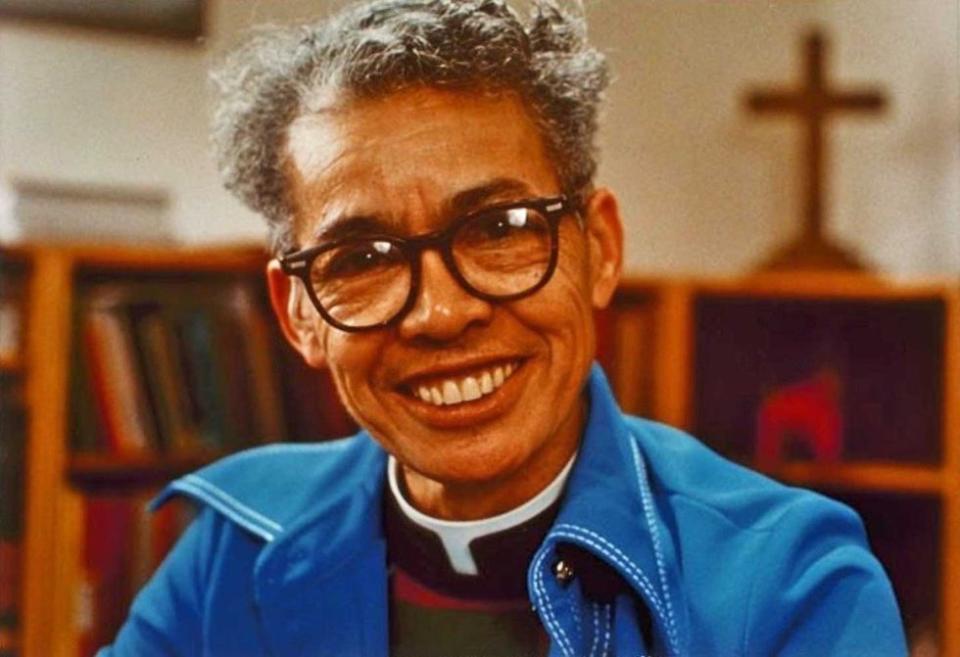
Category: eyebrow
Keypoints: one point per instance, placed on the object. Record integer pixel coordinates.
(352, 226)
(474, 198)
(463, 202)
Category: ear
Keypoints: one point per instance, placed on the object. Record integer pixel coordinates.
(605, 239)
(298, 318)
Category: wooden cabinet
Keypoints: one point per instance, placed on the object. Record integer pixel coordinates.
(845, 384)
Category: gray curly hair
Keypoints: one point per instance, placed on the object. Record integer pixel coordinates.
(383, 46)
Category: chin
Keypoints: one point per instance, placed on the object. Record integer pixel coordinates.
(470, 467)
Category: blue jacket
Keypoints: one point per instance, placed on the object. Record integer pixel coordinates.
(287, 557)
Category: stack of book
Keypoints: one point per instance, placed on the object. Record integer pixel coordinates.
(123, 543)
(12, 444)
(188, 368)
(13, 432)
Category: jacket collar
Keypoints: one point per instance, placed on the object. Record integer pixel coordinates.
(330, 564)
(612, 510)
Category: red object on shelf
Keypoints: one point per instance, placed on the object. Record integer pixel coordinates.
(807, 411)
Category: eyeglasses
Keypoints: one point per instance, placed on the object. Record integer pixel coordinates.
(500, 253)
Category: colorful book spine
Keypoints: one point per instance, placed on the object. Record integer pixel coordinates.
(12, 449)
(191, 367)
(168, 386)
(116, 383)
(122, 544)
(312, 407)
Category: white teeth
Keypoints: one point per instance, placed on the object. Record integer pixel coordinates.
(467, 389)
(451, 393)
(486, 383)
(470, 389)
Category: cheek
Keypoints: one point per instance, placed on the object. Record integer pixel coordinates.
(352, 359)
(563, 314)
(571, 281)
(574, 309)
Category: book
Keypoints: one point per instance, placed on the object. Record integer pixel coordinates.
(163, 372)
(47, 211)
(116, 384)
(87, 433)
(312, 406)
(625, 350)
(12, 291)
(264, 391)
(13, 428)
(604, 322)
(188, 366)
(10, 328)
(196, 335)
(233, 374)
(634, 353)
(122, 545)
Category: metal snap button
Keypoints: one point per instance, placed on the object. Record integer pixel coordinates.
(563, 572)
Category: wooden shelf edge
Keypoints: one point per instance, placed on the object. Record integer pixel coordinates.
(168, 257)
(110, 470)
(797, 285)
(866, 476)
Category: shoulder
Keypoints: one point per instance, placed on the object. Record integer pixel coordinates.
(267, 488)
(701, 481)
(781, 548)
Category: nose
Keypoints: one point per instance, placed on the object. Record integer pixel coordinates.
(443, 309)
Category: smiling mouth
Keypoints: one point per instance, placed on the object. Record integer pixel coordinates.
(453, 391)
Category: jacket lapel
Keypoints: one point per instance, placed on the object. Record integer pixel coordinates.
(610, 510)
(321, 587)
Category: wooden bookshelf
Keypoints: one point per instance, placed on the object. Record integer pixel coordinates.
(49, 607)
(867, 326)
(65, 484)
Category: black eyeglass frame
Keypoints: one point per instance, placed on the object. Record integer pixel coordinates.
(299, 263)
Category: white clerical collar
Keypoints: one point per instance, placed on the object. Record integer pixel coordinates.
(456, 535)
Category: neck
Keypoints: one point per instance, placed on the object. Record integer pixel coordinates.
(474, 500)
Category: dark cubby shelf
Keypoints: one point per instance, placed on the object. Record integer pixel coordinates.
(99, 471)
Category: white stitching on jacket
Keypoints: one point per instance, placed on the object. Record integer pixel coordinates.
(622, 560)
(606, 636)
(541, 592)
(336, 445)
(229, 499)
(220, 506)
(641, 472)
(596, 628)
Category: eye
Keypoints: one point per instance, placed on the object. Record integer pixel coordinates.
(500, 224)
(498, 228)
(358, 259)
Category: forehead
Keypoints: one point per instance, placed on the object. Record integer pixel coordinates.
(403, 158)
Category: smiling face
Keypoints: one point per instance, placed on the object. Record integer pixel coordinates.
(480, 402)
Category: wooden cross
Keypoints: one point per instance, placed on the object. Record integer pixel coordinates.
(814, 103)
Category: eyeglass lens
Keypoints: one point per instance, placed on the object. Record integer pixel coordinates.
(500, 253)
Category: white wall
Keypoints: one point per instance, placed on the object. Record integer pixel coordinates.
(709, 188)
(705, 187)
(89, 108)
